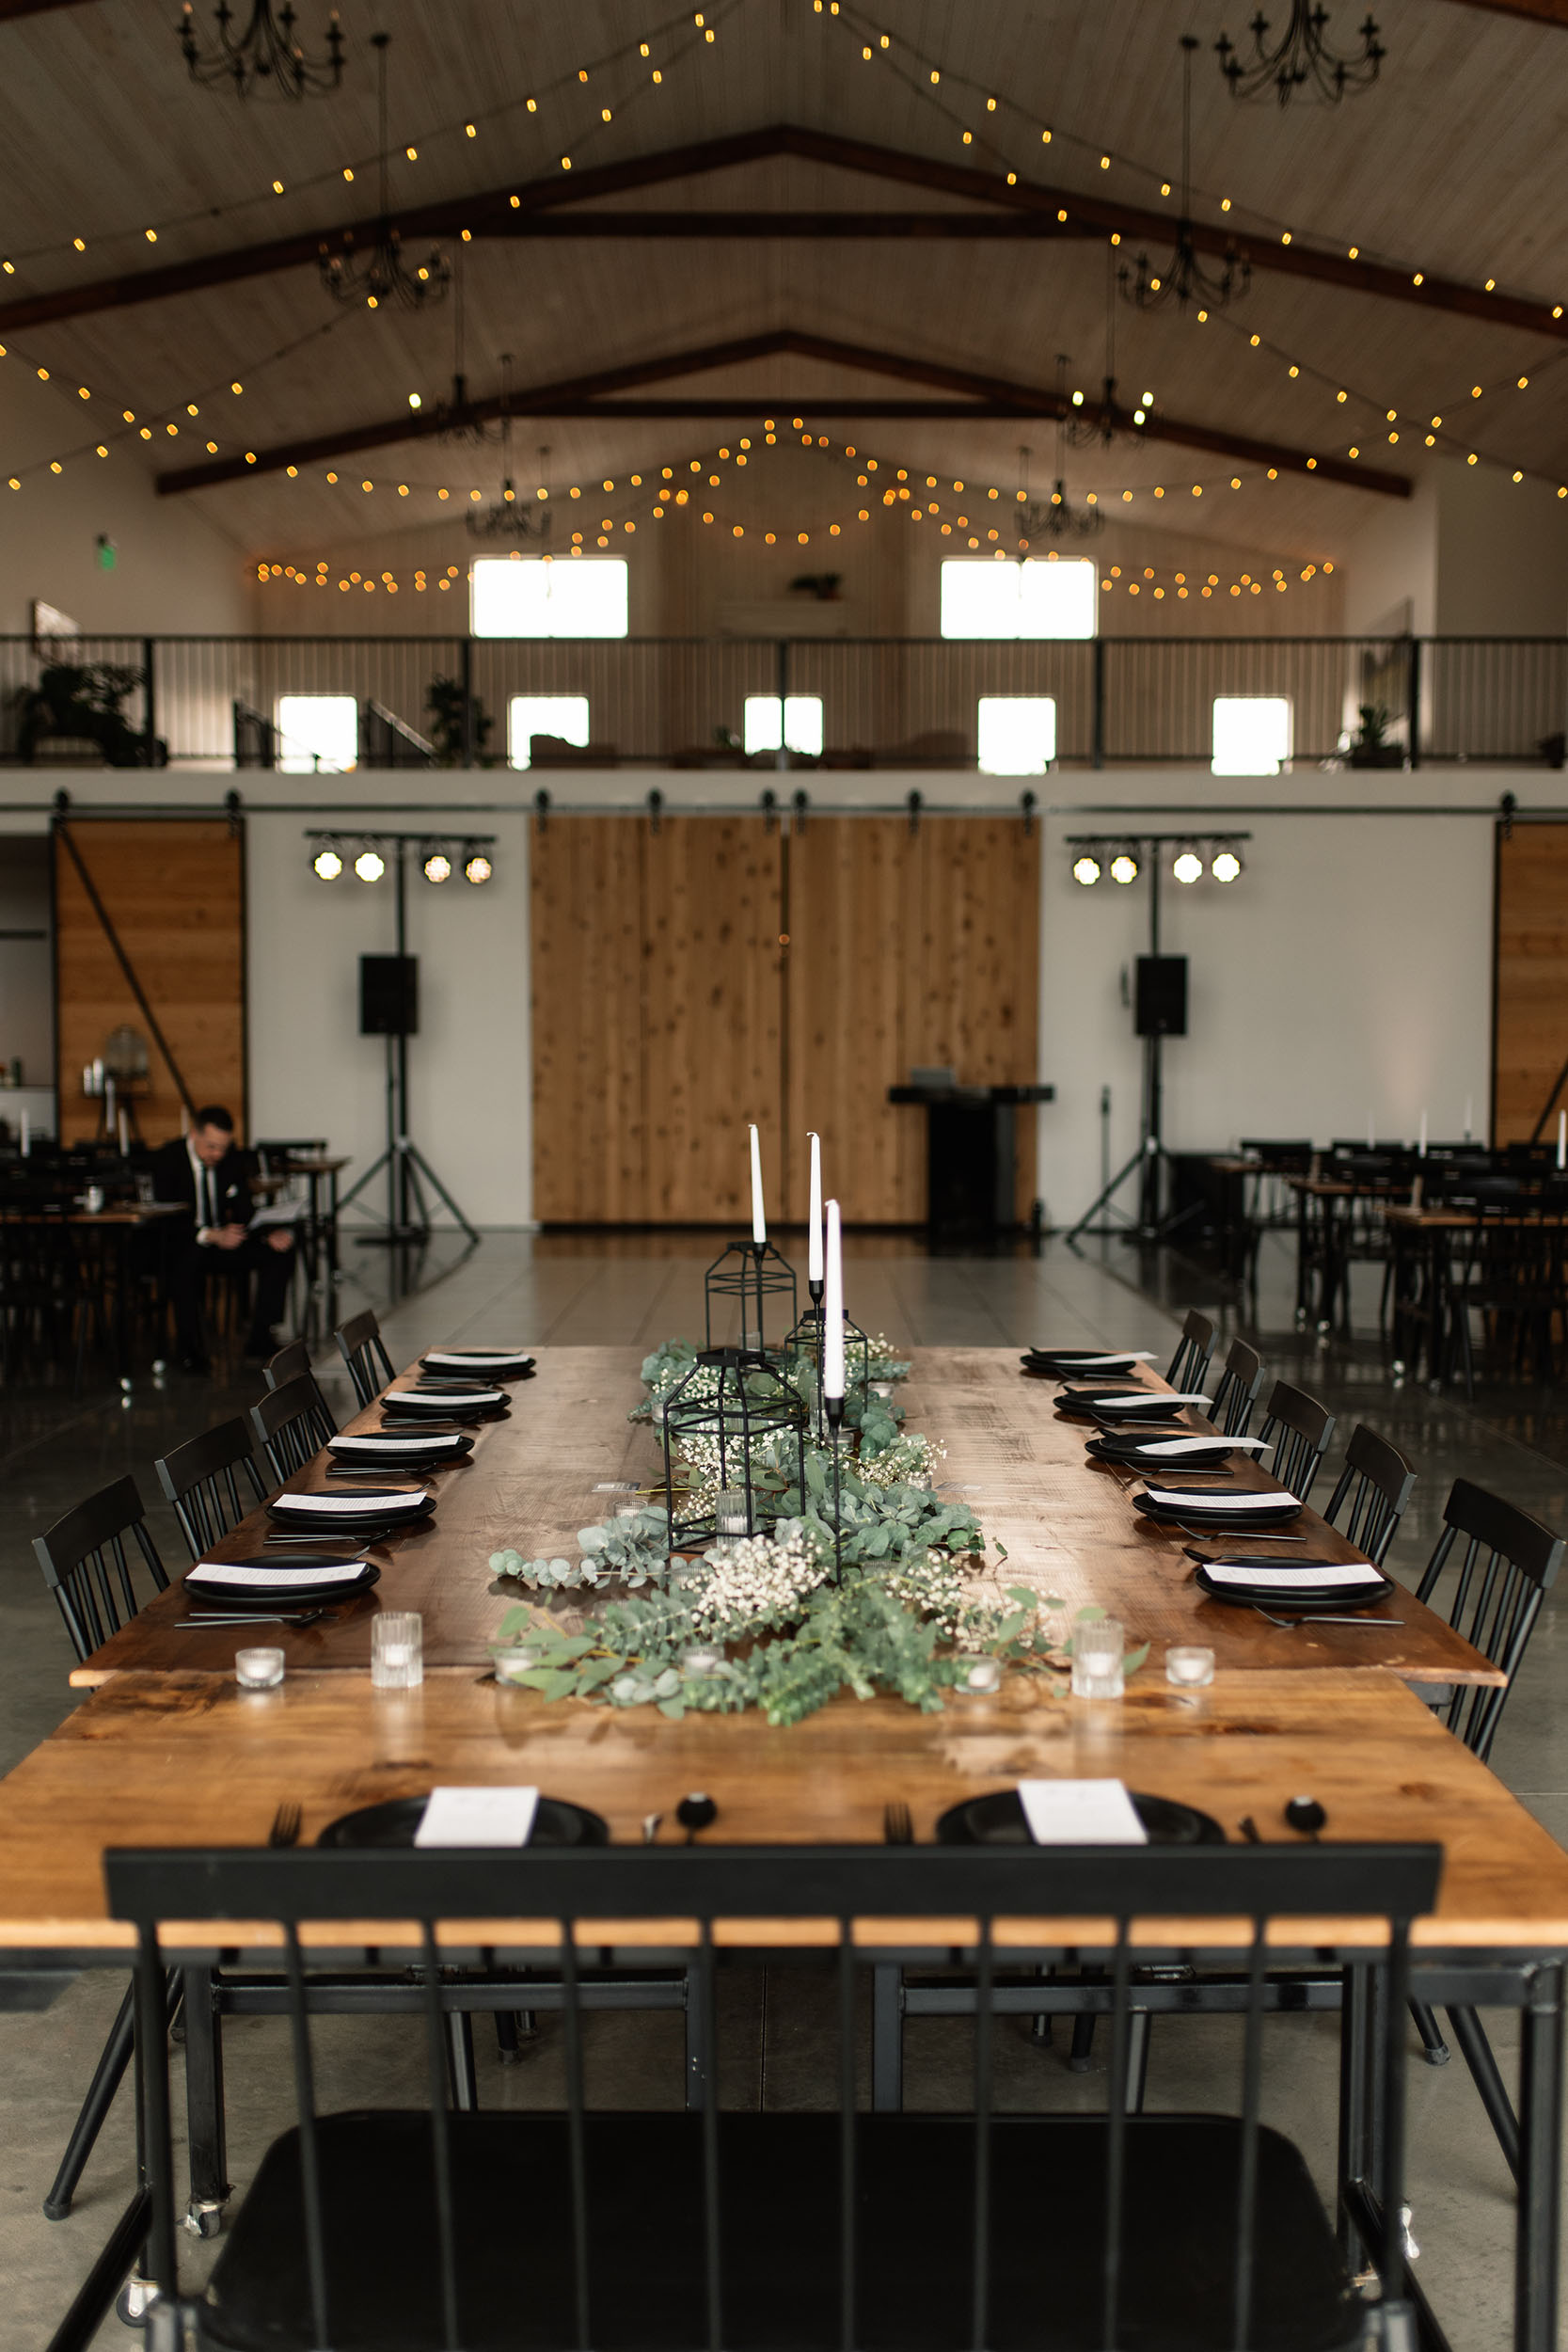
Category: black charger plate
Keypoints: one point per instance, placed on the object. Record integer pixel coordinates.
(1130, 1453)
(482, 1366)
(394, 1822)
(1191, 1512)
(1293, 1604)
(1060, 1364)
(998, 1820)
(281, 1593)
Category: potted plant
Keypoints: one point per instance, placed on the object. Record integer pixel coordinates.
(824, 586)
(444, 703)
(1369, 746)
(85, 702)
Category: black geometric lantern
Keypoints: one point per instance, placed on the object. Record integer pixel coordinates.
(806, 1341)
(729, 1405)
(756, 1275)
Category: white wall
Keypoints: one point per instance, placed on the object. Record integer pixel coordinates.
(1348, 971)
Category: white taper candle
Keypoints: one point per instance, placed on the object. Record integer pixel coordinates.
(759, 1222)
(833, 1309)
(813, 1238)
(1469, 1114)
(1421, 1147)
(1563, 1139)
(26, 1135)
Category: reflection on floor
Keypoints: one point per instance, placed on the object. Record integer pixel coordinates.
(634, 1289)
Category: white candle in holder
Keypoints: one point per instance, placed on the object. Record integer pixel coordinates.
(1421, 1146)
(814, 1237)
(1563, 1139)
(759, 1222)
(833, 1309)
(1468, 1112)
(26, 1135)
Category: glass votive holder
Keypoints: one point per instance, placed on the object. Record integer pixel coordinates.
(698, 1663)
(881, 1388)
(513, 1664)
(729, 1511)
(1096, 1656)
(982, 1676)
(1189, 1667)
(257, 1668)
(397, 1651)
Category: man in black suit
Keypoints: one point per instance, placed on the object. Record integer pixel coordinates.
(205, 1172)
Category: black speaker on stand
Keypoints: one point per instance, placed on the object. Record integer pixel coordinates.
(389, 1007)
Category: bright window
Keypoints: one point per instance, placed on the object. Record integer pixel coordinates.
(1252, 734)
(537, 595)
(317, 731)
(1017, 733)
(564, 716)
(802, 723)
(1029, 600)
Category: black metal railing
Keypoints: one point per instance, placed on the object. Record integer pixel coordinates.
(219, 701)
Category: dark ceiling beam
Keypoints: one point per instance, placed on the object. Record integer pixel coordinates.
(516, 211)
(1538, 12)
(841, 226)
(9, 8)
(979, 397)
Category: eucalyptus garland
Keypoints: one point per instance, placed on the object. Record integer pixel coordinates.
(872, 1595)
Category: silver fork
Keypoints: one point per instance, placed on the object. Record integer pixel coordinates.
(285, 1825)
(897, 1828)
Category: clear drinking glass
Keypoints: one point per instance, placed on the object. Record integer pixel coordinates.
(257, 1668)
(729, 1511)
(1097, 1654)
(1189, 1667)
(397, 1651)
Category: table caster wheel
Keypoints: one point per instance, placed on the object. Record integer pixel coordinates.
(125, 1384)
(204, 2218)
(160, 1365)
(132, 2302)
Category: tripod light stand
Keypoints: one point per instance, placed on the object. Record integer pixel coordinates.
(407, 1171)
(1161, 1012)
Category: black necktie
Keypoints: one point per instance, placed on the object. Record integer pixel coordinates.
(210, 1215)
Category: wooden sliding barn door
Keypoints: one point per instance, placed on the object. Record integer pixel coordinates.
(1529, 1043)
(172, 892)
(906, 950)
(720, 970)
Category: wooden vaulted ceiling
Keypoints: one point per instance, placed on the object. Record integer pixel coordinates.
(779, 221)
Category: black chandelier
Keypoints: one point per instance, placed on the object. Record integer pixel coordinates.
(455, 420)
(510, 518)
(266, 58)
(1077, 430)
(1184, 277)
(380, 275)
(1299, 61)
(1055, 518)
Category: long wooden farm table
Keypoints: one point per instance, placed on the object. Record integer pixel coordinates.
(1068, 1524)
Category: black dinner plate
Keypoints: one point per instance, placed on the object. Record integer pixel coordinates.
(477, 1362)
(369, 1529)
(998, 1820)
(463, 1416)
(1297, 1604)
(1192, 1510)
(394, 1822)
(1132, 1453)
(281, 1593)
(1067, 1364)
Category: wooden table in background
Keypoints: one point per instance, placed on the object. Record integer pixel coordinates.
(1068, 1524)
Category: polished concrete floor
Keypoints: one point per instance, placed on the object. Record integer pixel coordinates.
(777, 2032)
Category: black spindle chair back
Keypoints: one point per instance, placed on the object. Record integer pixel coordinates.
(1300, 1431)
(308, 2259)
(364, 1351)
(213, 1481)
(1189, 1366)
(1370, 1497)
(1241, 1385)
(287, 1364)
(1506, 1561)
(88, 1568)
(292, 1423)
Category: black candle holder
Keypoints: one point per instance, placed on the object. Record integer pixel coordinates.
(807, 1340)
(834, 1408)
(732, 1399)
(757, 1274)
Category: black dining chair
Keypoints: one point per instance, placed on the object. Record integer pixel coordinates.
(1300, 1431)
(1489, 1570)
(1370, 1494)
(213, 1481)
(1189, 1366)
(287, 1364)
(292, 1423)
(1241, 1384)
(364, 1351)
(91, 1561)
(364, 2226)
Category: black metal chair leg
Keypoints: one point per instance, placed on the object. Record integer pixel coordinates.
(506, 2036)
(209, 2154)
(460, 2062)
(106, 2080)
(1138, 2024)
(1478, 2055)
(1436, 2049)
(887, 2037)
(1081, 2056)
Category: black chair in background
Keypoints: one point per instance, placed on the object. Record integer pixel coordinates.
(1240, 1386)
(1299, 1430)
(292, 1423)
(213, 1481)
(364, 1351)
(1372, 1493)
(1488, 1572)
(1189, 1366)
(288, 1363)
(365, 2225)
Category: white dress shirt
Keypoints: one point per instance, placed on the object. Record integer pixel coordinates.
(206, 1196)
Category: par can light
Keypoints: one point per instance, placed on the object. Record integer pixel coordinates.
(1226, 866)
(1124, 867)
(326, 864)
(1085, 869)
(1187, 867)
(477, 867)
(369, 866)
(438, 866)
